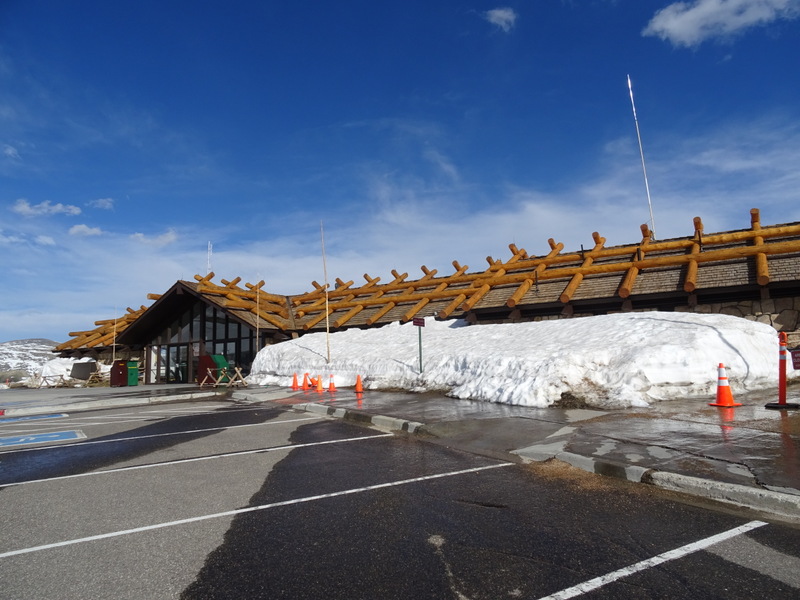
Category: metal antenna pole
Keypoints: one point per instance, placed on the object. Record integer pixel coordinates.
(327, 312)
(641, 154)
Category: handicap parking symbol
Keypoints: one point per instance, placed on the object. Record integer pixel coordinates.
(41, 438)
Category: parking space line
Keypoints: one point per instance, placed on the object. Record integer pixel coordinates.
(598, 582)
(155, 435)
(239, 511)
(200, 458)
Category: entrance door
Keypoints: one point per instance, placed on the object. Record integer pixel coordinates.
(178, 364)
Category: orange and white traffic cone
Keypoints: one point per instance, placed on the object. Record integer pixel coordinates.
(724, 395)
(332, 385)
(359, 385)
(295, 385)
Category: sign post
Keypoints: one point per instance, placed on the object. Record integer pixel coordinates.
(781, 403)
(419, 323)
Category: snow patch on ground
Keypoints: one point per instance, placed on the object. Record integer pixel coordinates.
(607, 361)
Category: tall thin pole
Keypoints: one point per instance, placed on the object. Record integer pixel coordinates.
(327, 312)
(114, 338)
(641, 154)
(208, 259)
(258, 314)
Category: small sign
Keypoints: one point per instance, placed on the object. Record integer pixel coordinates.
(419, 321)
(796, 358)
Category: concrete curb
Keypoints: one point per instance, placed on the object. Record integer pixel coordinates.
(767, 501)
(101, 404)
(379, 421)
(628, 472)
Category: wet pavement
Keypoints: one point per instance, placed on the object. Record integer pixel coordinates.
(17, 402)
(747, 455)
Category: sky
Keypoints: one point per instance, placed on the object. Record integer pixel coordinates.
(135, 134)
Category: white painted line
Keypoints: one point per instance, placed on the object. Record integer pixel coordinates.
(598, 582)
(199, 458)
(155, 435)
(130, 416)
(239, 511)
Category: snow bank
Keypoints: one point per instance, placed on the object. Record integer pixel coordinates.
(48, 376)
(608, 361)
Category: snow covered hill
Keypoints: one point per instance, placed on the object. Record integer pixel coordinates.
(23, 358)
(608, 361)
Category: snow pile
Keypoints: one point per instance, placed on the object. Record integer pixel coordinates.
(52, 369)
(608, 361)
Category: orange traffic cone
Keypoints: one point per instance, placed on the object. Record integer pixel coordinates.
(359, 385)
(332, 385)
(724, 395)
(295, 385)
(306, 385)
(319, 384)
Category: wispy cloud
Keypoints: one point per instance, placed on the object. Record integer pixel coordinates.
(416, 220)
(102, 203)
(441, 162)
(84, 230)
(11, 152)
(7, 239)
(45, 240)
(691, 23)
(26, 209)
(504, 18)
(164, 239)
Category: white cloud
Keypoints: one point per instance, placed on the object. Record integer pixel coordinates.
(84, 230)
(444, 164)
(691, 23)
(9, 239)
(504, 18)
(26, 209)
(164, 239)
(45, 240)
(718, 175)
(11, 152)
(102, 203)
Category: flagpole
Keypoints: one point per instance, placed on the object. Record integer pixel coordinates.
(327, 312)
(641, 154)
(258, 314)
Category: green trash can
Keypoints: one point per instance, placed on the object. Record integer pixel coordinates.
(222, 363)
(133, 373)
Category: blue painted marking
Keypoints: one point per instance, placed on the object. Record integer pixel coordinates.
(34, 417)
(40, 438)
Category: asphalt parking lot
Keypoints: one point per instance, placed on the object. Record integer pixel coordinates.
(212, 500)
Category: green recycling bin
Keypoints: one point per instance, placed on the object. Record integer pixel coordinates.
(133, 373)
(222, 363)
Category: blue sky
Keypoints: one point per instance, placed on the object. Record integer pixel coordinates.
(132, 134)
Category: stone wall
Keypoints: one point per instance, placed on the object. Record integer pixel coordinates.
(781, 313)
